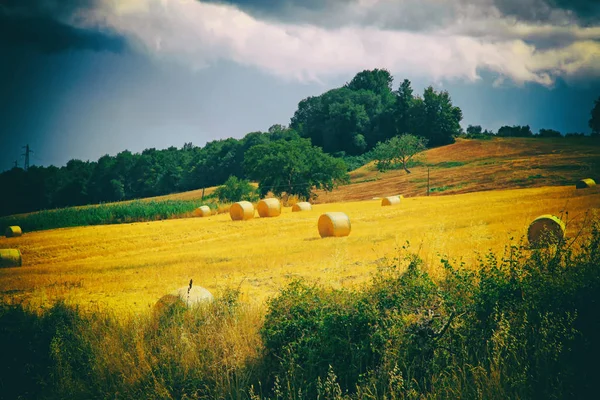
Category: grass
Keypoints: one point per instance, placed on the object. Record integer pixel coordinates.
(113, 213)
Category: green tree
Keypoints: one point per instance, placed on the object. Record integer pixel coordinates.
(294, 167)
(594, 122)
(236, 189)
(434, 117)
(399, 150)
(547, 133)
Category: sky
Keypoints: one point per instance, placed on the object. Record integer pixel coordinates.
(84, 78)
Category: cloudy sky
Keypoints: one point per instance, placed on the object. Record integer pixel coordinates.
(84, 78)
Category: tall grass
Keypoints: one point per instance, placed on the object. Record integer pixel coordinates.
(521, 325)
(115, 213)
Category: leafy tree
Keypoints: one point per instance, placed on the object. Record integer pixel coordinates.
(235, 189)
(294, 167)
(515, 131)
(474, 130)
(594, 122)
(399, 150)
(547, 133)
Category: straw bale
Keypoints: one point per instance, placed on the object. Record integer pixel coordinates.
(545, 229)
(585, 183)
(302, 206)
(390, 201)
(13, 231)
(202, 211)
(241, 211)
(335, 224)
(269, 207)
(10, 258)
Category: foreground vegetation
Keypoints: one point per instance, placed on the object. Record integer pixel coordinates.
(524, 325)
(114, 213)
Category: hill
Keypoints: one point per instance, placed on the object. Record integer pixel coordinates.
(469, 166)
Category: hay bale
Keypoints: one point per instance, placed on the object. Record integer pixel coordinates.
(197, 295)
(13, 231)
(10, 258)
(585, 183)
(269, 208)
(335, 224)
(545, 229)
(241, 211)
(202, 211)
(390, 201)
(302, 206)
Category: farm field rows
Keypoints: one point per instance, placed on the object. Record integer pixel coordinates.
(128, 267)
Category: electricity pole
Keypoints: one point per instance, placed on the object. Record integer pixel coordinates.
(27, 152)
(427, 181)
(16, 164)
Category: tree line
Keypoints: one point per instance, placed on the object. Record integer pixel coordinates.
(328, 134)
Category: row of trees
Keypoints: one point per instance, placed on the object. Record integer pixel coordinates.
(354, 118)
(363, 120)
(519, 131)
(346, 123)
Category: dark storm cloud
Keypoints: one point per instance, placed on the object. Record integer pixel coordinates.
(53, 26)
(585, 11)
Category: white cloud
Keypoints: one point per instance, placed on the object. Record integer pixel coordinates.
(199, 33)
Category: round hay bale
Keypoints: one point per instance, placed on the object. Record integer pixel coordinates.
(545, 229)
(585, 183)
(196, 295)
(269, 207)
(202, 211)
(10, 258)
(13, 231)
(390, 201)
(241, 211)
(302, 206)
(335, 224)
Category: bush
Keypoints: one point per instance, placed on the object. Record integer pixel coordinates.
(235, 189)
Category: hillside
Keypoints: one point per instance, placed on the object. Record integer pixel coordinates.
(469, 166)
(479, 165)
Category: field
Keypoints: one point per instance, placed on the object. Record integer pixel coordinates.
(128, 267)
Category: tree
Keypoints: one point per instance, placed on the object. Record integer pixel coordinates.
(595, 120)
(548, 133)
(293, 167)
(474, 130)
(434, 117)
(398, 150)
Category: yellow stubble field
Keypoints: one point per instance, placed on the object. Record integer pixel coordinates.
(127, 268)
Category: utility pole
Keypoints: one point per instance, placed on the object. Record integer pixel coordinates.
(16, 164)
(27, 152)
(427, 181)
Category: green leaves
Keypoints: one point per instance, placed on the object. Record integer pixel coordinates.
(399, 150)
(294, 167)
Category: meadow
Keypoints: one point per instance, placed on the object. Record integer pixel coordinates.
(128, 267)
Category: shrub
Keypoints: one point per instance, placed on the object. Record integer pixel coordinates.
(235, 189)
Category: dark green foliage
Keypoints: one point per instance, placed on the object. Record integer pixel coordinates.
(594, 121)
(546, 133)
(118, 213)
(293, 167)
(235, 189)
(515, 131)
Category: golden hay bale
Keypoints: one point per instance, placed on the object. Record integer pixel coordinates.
(585, 183)
(269, 207)
(241, 211)
(302, 206)
(10, 258)
(545, 229)
(13, 231)
(334, 224)
(390, 201)
(196, 295)
(202, 211)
